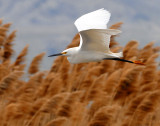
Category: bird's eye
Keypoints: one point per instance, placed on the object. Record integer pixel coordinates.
(64, 52)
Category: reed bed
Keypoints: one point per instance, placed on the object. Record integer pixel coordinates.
(106, 93)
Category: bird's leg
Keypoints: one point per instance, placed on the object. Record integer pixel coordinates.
(123, 60)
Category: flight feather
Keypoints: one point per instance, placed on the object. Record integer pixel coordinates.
(95, 20)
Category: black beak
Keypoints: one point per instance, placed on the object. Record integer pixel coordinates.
(58, 54)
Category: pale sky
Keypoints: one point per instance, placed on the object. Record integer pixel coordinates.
(48, 25)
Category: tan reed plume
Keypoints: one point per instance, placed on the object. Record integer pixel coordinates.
(75, 41)
(132, 52)
(21, 57)
(131, 108)
(34, 66)
(152, 58)
(95, 91)
(57, 122)
(64, 73)
(128, 84)
(112, 81)
(148, 87)
(147, 106)
(147, 51)
(57, 64)
(148, 74)
(48, 110)
(112, 39)
(129, 45)
(1, 40)
(104, 116)
(66, 110)
(106, 93)
(7, 81)
(77, 72)
(52, 104)
(3, 29)
(8, 51)
(7, 25)
(55, 87)
(18, 64)
(1, 21)
(96, 104)
(4, 70)
(49, 82)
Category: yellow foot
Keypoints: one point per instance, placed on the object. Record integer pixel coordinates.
(138, 62)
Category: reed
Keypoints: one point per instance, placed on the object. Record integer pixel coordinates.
(34, 66)
(106, 93)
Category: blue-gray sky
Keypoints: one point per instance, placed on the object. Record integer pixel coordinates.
(48, 25)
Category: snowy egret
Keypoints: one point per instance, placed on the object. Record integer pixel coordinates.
(94, 40)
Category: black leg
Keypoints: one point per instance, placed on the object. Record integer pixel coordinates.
(123, 60)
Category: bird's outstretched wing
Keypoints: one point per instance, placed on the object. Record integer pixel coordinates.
(95, 20)
(94, 35)
(96, 39)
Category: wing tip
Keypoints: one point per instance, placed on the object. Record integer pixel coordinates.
(103, 16)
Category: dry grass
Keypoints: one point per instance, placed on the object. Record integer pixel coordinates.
(106, 93)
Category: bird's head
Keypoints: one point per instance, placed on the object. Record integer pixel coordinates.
(66, 52)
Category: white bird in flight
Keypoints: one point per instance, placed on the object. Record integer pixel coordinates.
(94, 40)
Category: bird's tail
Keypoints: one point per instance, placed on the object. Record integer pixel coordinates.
(120, 54)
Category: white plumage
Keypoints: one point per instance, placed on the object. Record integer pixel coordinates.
(95, 20)
(94, 35)
(94, 39)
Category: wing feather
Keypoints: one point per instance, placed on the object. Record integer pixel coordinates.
(94, 35)
(95, 20)
(96, 39)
